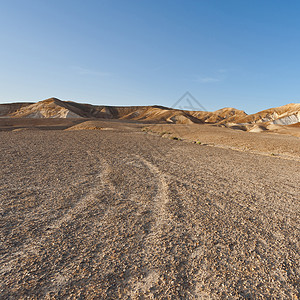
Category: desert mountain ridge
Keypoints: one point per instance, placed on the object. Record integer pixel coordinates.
(56, 108)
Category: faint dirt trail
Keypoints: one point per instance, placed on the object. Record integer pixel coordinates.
(162, 219)
(169, 242)
(101, 184)
(161, 198)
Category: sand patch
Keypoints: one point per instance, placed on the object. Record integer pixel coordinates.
(89, 125)
(20, 129)
(267, 142)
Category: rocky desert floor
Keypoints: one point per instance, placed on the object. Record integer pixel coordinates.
(123, 213)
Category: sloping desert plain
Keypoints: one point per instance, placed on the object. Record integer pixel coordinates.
(118, 209)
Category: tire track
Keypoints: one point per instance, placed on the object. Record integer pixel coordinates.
(167, 252)
(161, 199)
(102, 184)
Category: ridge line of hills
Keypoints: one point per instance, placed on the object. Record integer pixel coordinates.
(55, 108)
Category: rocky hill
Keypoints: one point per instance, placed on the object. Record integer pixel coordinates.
(55, 108)
(282, 115)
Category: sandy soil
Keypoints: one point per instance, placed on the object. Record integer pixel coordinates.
(267, 143)
(124, 214)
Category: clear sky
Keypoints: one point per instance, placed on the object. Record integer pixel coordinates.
(227, 53)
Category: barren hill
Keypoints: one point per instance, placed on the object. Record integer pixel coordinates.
(224, 115)
(10, 108)
(282, 115)
(55, 108)
(230, 117)
(50, 108)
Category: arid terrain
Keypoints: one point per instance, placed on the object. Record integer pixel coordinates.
(110, 209)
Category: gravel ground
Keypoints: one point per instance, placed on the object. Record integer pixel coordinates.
(121, 214)
(266, 143)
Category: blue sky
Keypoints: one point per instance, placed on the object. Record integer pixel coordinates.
(227, 53)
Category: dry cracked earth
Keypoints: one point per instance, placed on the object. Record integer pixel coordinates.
(121, 214)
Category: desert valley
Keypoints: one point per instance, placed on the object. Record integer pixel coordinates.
(148, 202)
